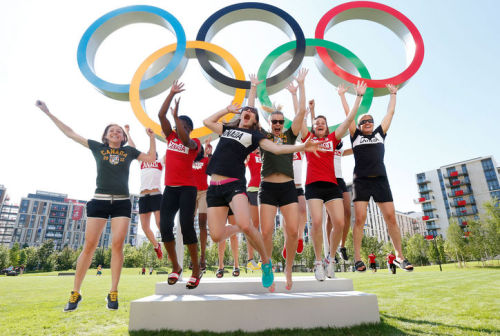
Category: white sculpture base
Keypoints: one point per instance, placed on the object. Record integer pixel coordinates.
(243, 304)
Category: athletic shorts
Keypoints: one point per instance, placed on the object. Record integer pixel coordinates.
(325, 191)
(278, 194)
(253, 198)
(300, 191)
(377, 187)
(105, 209)
(201, 201)
(373, 265)
(342, 185)
(222, 195)
(149, 203)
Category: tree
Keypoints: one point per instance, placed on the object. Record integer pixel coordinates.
(99, 257)
(308, 255)
(31, 258)
(131, 256)
(278, 243)
(14, 255)
(416, 250)
(22, 257)
(4, 257)
(46, 256)
(370, 245)
(490, 223)
(65, 259)
(456, 245)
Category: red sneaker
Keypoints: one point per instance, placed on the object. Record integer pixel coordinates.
(158, 251)
(300, 246)
(283, 253)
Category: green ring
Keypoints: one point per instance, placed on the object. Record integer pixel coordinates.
(280, 54)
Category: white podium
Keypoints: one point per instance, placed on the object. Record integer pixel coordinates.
(231, 304)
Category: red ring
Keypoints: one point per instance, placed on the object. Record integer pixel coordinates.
(404, 76)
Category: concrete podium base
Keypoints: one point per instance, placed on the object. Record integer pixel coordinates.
(243, 304)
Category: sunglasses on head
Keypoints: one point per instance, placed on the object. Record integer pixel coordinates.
(281, 122)
(249, 108)
(366, 121)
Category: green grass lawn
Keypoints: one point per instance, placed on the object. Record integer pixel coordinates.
(453, 302)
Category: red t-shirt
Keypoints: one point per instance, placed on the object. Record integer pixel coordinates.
(179, 162)
(254, 165)
(390, 258)
(321, 168)
(372, 258)
(200, 173)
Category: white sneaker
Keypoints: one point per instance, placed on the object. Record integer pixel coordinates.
(319, 270)
(330, 268)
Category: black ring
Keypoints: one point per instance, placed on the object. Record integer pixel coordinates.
(205, 30)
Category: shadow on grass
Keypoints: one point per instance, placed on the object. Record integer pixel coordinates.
(363, 330)
(422, 323)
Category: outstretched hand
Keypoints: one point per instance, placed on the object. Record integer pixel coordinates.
(175, 110)
(254, 80)
(313, 146)
(127, 128)
(312, 104)
(177, 87)
(292, 88)
(393, 89)
(360, 88)
(149, 132)
(233, 108)
(41, 105)
(342, 89)
(301, 76)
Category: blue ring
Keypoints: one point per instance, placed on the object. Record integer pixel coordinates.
(120, 91)
(289, 71)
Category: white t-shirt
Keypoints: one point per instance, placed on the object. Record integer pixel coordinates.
(337, 158)
(151, 175)
(297, 168)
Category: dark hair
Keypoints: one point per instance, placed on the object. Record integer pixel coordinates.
(313, 131)
(236, 121)
(106, 142)
(187, 120)
(201, 154)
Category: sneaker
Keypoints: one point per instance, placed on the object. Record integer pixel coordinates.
(343, 253)
(319, 270)
(112, 300)
(283, 252)
(253, 265)
(72, 304)
(330, 268)
(300, 246)
(267, 275)
(159, 252)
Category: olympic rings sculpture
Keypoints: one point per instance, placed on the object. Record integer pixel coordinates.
(159, 70)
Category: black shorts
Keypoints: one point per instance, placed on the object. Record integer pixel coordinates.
(105, 209)
(377, 187)
(222, 195)
(149, 203)
(252, 198)
(342, 185)
(300, 191)
(278, 194)
(373, 265)
(325, 191)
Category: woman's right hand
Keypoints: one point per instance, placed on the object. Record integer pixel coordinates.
(41, 105)
(177, 87)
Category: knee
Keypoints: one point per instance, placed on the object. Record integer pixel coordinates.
(145, 226)
(117, 247)
(216, 236)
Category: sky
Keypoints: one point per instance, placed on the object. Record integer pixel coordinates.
(446, 113)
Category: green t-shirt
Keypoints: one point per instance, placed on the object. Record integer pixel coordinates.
(112, 167)
(283, 163)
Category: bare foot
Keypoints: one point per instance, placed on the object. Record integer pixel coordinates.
(272, 288)
(289, 281)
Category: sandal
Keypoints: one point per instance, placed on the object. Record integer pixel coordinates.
(220, 273)
(236, 272)
(360, 264)
(194, 281)
(173, 277)
(404, 265)
(203, 266)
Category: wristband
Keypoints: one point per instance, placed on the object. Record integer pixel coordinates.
(359, 95)
(393, 93)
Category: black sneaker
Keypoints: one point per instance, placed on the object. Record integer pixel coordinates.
(343, 253)
(72, 304)
(112, 301)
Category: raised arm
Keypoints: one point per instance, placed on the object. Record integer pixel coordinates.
(341, 90)
(180, 126)
(213, 122)
(360, 91)
(308, 146)
(253, 89)
(299, 117)
(127, 133)
(151, 154)
(208, 147)
(293, 91)
(162, 115)
(62, 126)
(386, 122)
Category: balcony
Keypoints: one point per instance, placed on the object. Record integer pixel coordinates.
(423, 181)
(458, 183)
(432, 227)
(464, 213)
(429, 218)
(459, 193)
(455, 174)
(421, 200)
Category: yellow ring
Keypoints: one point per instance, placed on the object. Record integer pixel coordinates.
(134, 94)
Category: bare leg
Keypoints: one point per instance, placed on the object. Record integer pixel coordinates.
(267, 215)
(92, 234)
(145, 217)
(347, 217)
(254, 213)
(119, 228)
(336, 214)
(316, 211)
(221, 248)
(291, 215)
(357, 234)
(302, 216)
